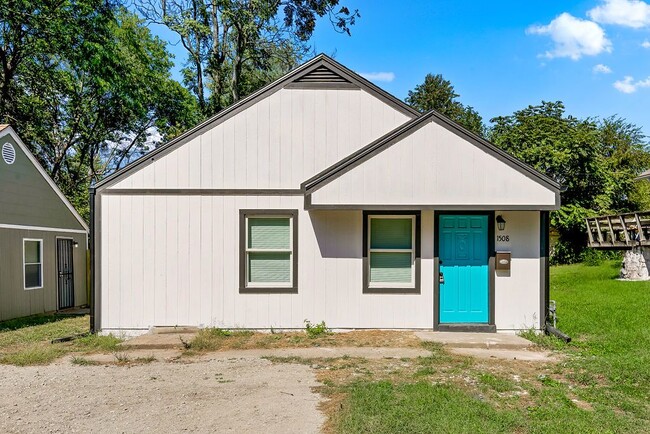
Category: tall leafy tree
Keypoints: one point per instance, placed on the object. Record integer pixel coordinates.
(595, 161)
(88, 103)
(235, 46)
(439, 94)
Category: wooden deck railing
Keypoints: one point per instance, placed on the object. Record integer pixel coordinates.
(622, 231)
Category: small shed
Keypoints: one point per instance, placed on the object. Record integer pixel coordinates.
(323, 197)
(43, 240)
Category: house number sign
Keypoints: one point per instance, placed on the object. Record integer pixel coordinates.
(503, 238)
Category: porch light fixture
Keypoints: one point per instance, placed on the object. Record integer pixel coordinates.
(75, 244)
(501, 223)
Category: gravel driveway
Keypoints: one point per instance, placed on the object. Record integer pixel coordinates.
(238, 395)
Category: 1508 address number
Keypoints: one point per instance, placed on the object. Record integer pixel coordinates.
(503, 238)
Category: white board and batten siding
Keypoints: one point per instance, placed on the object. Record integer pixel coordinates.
(517, 294)
(174, 260)
(433, 166)
(276, 143)
(168, 260)
(167, 265)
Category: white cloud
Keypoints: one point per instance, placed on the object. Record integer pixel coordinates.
(645, 44)
(573, 37)
(378, 76)
(602, 69)
(628, 85)
(629, 13)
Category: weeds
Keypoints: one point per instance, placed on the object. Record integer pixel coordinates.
(542, 340)
(121, 358)
(316, 330)
(82, 361)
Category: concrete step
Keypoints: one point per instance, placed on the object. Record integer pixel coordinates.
(157, 341)
(476, 340)
(174, 330)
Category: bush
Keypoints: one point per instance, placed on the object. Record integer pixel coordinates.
(564, 253)
(316, 330)
(593, 257)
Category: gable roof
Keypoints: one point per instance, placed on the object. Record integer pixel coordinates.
(392, 137)
(6, 129)
(321, 72)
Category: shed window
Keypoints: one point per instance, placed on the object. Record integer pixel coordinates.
(391, 250)
(269, 251)
(33, 263)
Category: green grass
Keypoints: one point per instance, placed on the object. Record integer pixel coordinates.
(609, 321)
(383, 407)
(28, 341)
(602, 384)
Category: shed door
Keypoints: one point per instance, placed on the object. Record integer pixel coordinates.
(463, 252)
(65, 273)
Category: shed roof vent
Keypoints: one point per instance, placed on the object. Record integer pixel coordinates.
(8, 153)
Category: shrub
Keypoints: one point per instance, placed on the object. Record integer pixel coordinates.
(316, 330)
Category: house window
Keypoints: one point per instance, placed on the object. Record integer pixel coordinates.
(270, 250)
(391, 252)
(33, 263)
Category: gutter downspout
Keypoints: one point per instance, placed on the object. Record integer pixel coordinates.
(549, 313)
(91, 190)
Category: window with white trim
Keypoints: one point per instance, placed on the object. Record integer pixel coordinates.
(269, 251)
(33, 263)
(391, 251)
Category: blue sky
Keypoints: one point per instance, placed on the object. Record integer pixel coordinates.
(502, 56)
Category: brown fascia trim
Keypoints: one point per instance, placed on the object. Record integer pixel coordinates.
(203, 192)
(409, 128)
(243, 289)
(434, 207)
(222, 116)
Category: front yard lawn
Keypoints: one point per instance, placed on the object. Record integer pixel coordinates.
(601, 384)
(28, 341)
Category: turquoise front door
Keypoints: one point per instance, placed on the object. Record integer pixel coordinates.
(463, 254)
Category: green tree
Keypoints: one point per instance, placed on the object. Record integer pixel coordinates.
(89, 103)
(236, 46)
(439, 94)
(595, 161)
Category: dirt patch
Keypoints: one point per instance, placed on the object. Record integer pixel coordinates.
(504, 383)
(221, 395)
(217, 339)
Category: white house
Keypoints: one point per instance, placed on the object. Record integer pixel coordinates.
(323, 197)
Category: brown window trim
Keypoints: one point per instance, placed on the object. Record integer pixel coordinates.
(366, 275)
(243, 288)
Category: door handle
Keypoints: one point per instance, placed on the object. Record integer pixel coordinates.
(441, 278)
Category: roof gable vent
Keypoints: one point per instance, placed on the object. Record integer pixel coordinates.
(322, 78)
(322, 74)
(8, 153)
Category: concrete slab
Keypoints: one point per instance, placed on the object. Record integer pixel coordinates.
(81, 311)
(165, 355)
(174, 330)
(151, 341)
(476, 340)
(322, 353)
(524, 355)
